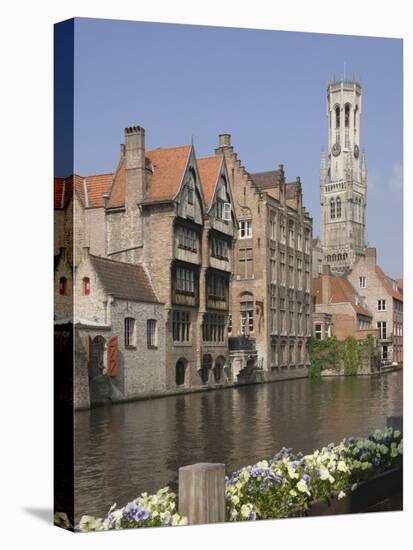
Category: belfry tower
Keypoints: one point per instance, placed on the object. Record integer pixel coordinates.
(343, 179)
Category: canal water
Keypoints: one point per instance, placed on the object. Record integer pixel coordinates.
(123, 450)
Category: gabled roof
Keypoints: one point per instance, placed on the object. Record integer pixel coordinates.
(123, 280)
(89, 190)
(168, 167)
(267, 180)
(117, 190)
(388, 282)
(209, 170)
(341, 291)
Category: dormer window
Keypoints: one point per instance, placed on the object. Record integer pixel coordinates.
(86, 286)
(62, 286)
(190, 195)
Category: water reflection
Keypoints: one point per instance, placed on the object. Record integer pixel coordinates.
(126, 449)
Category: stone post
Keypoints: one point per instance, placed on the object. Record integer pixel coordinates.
(202, 493)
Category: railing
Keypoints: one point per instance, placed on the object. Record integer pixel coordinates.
(202, 491)
(241, 343)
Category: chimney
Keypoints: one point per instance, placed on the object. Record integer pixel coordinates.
(135, 165)
(224, 140)
(371, 255)
(326, 285)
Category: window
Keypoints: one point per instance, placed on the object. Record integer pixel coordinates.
(332, 209)
(300, 317)
(62, 286)
(299, 239)
(245, 263)
(219, 249)
(244, 229)
(180, 326)
(291, 357)
(216, 287)
(273, 266)
(320, 266)
(282, 315)
(185, 281)
(307, 275)
(384, 353)
(247, 317)
(190, 195)
(129, 332)
(229, 323)
(273, 226)
(382, 326)
(291, 235)
(86, 286)
(318, 331)
(347, 116)
(273, 319)
(282, 232)
(338, 207)
(291, 271)
(227, 212)
(282, 268)
(307, 241)
(337, 109)
(213, 327)
(186, 238)
(299, 273)
(151, 333)
(362, 282)
(291, 317)
(273, 354)
(381, 305)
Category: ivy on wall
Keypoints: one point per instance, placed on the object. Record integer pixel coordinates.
(344, 357)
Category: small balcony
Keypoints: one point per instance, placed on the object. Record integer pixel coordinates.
(241, 343)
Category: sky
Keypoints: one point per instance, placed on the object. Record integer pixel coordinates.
(186, 83)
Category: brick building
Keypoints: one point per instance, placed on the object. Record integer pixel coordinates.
(384, 298)
(272, 269)
(165, 219)
(338, 310)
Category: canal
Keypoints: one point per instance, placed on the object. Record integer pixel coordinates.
(123, 450)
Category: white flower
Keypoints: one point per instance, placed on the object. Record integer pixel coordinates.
(61, 520)
(341, 495)
(342, 466)
(302, 487)
(89, 523)
(396, 434)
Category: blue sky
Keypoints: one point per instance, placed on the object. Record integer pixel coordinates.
(266, 88)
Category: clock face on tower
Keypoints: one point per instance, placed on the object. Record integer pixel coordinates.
(356, 151)
(336, 149)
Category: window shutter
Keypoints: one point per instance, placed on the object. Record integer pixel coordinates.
(112, 348)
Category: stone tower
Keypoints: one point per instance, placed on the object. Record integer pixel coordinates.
(343, 179)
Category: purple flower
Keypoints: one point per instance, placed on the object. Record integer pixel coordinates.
(330, 446)
(252, 516)
(376, 461)
(166, 519)
(306, 478)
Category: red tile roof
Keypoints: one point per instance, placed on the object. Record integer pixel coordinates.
(388, 283)
(168, 165)
(341, 291)
(209, 170)
(89, 190)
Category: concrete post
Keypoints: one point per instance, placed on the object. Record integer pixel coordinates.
(202, 493)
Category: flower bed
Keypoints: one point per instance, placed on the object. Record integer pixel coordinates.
(288, 485)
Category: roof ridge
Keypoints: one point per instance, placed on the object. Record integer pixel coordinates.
(115, 261)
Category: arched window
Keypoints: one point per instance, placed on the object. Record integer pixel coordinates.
(86, 286)
(338, 207)
(62, 286)
(332, 209)
(339, 257)
(334, 257)
(337, 110)
(347, 115)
